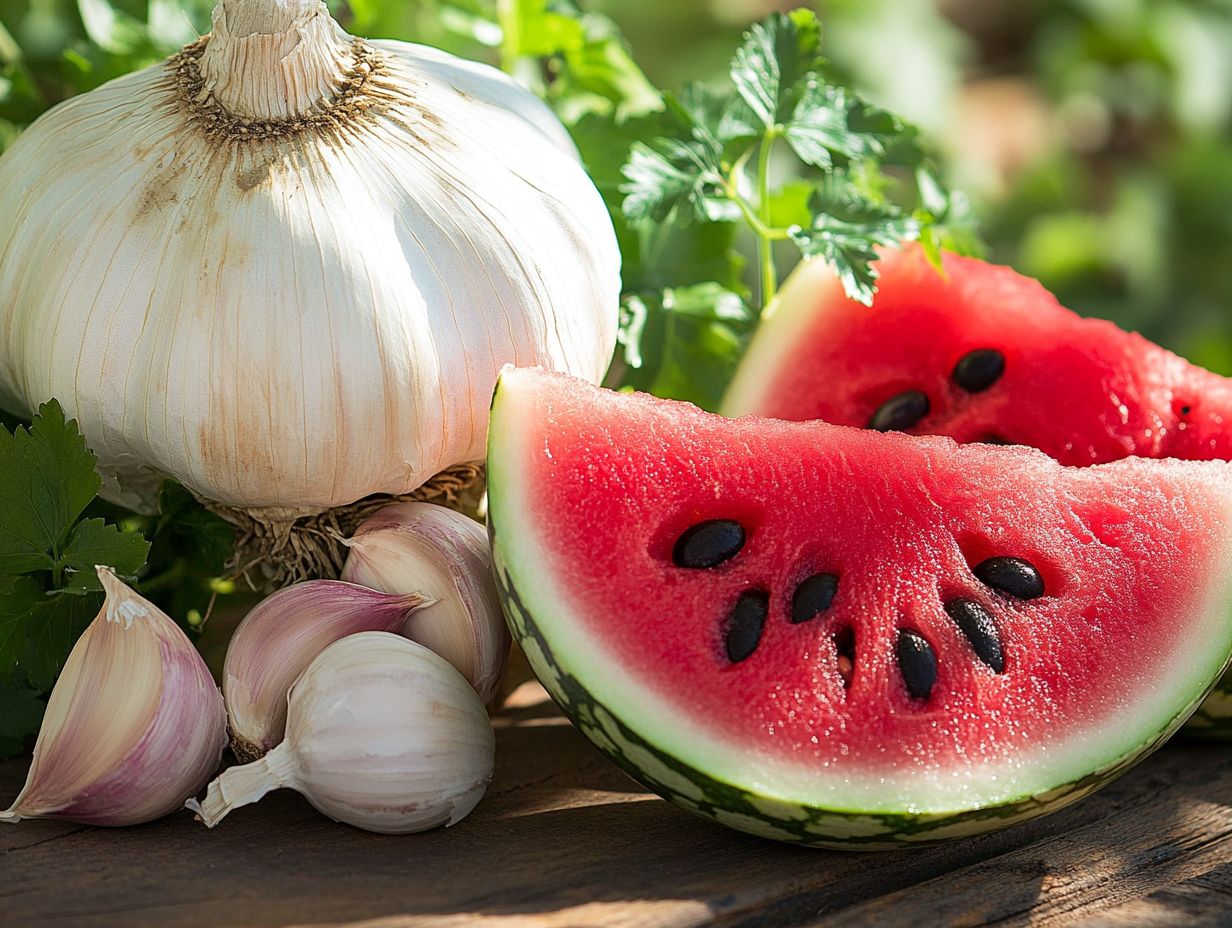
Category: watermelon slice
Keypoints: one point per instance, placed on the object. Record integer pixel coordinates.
(982, 353)
(836, 637)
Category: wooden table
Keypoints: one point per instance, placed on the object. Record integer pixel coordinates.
(563, 839)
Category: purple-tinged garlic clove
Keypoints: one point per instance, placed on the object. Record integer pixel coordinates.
(282, 635)
(421, 546)
(134, 726)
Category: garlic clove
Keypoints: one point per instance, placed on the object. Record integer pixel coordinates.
(134, 726)
(381, 733)
(421, 546)
(281, 636)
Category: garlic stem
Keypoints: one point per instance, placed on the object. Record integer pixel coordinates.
(276, 60)
(244, 785)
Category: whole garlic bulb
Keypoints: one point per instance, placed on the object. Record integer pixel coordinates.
(423, 548)
(134, 725)
(286, 265)
(381, 733)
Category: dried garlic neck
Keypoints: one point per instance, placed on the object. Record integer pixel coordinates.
(276, 61)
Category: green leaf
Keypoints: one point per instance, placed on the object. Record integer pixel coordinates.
(681, 177)
(111, 29)
(95, 543)
(49, 479)
(946, 219)
(18, 599)
(777, 53)
(192, 530)
(713, 116)
(689, 341)
(53, 627)
(820, 127)
(847, 230)
(21, 714)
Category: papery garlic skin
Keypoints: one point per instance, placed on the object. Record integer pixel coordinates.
(422, 547)
(382, 734)
(286, 266)
(281, 636)
(134, 725)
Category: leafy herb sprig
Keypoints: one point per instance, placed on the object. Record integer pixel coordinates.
(837, 203)
(778, 159)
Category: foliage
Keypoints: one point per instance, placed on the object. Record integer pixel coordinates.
(53, 532)
(785, 155)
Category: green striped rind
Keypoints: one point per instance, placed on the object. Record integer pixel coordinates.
(694, 790)
(1213, 719)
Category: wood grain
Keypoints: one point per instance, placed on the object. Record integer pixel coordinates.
(563, 840)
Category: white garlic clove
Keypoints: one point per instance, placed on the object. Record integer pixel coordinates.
(381, 733)
(134, 726)
(421, 546)
(281, 636)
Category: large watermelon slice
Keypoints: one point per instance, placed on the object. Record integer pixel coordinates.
(981, 353)
(836, 637)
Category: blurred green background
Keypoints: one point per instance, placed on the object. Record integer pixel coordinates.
(1092, 135)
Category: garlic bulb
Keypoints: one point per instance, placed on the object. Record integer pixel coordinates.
(381, 734)
(286, 265)
(134, 725)
(281, 636)
(412, 547)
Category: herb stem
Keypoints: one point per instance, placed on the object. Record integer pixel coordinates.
(769, 275)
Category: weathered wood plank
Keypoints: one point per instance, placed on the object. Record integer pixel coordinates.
(563, 839)
(1203, 900)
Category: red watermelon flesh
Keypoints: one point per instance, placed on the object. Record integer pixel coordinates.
(1081, 390)
(591, 492)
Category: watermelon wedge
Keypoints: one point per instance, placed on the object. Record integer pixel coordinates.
(841, 638)
(982, 354)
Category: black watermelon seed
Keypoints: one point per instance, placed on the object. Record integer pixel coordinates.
(813, 597)
(1012, 576)
(977, 625)
(708, 544)
(918, 664)
(745, 624)
(900, 412)
(978, 370)
(994, 440)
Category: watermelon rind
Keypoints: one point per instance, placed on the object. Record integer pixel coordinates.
(783, 323)
(658, 747)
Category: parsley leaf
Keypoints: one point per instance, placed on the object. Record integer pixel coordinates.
(48, 552)
(776, 55)
(19, 598)
(49, 480)
(846, 232)
(53, 626)
(95, 542)
(673, 177)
